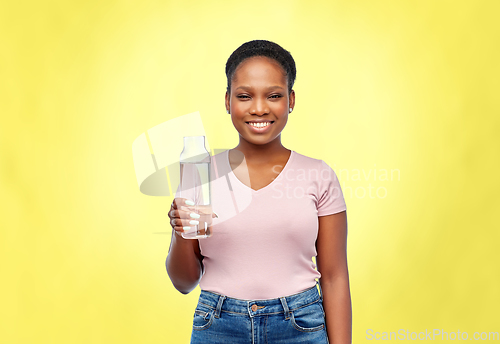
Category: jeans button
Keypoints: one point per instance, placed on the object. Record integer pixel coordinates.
(254, 308)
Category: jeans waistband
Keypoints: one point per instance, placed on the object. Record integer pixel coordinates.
(285, 304)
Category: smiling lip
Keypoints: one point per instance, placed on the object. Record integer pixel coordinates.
(260, 130)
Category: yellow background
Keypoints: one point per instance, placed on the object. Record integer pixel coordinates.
(406, 85)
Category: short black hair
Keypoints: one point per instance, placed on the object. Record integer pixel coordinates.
(261, 48)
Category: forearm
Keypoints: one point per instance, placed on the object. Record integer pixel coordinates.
(338, 311)
(183, 266)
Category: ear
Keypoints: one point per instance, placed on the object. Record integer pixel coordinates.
(291, 99)
(228, 107)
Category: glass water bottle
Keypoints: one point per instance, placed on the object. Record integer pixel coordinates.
(195, 185)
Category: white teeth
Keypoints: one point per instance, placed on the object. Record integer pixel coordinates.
(260, 125)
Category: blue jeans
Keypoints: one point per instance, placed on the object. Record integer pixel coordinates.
(297, 318)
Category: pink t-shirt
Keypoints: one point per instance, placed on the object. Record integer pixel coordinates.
(263, 241)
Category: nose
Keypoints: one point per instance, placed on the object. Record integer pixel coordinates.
(259, 107)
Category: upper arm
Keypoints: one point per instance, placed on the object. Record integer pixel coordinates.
(331, 245)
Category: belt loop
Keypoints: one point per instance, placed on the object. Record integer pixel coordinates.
(285, 307)
(219, 305)
(320, 291)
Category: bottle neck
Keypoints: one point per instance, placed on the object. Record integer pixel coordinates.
(194, 149)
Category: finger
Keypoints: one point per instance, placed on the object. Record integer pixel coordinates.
(188, 214)
(192, 215)
(172, 214)
(188, 210)
(177, 202)
(214, 215)
(178, 230)
(185, 224)
(183, 229)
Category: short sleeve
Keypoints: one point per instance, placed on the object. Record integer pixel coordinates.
(331, 199)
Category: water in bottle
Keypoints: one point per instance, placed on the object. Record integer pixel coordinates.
(195, 185)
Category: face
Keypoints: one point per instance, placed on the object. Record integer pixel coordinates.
(259, 95)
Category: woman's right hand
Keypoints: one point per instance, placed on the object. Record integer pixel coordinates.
(183, 215)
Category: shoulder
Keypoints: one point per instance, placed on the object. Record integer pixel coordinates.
(317, 170)
(220, 165)
(309, 162)
(219, 154)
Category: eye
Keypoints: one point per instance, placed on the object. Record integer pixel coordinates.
(242, 96)
(276, 96)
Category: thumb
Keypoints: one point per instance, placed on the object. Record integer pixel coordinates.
(214, 215)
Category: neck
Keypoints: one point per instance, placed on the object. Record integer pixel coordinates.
(261, 152)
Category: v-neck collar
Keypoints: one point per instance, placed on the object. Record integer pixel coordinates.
(268, 186)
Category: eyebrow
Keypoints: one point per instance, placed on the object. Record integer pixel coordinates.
(269, 88)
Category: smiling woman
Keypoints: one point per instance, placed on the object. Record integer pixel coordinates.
(260, 101)
(257, 278)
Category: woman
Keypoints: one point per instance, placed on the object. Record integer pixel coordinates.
(277, 210)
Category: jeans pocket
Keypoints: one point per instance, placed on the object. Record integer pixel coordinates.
(309, 318)
(203, 317)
